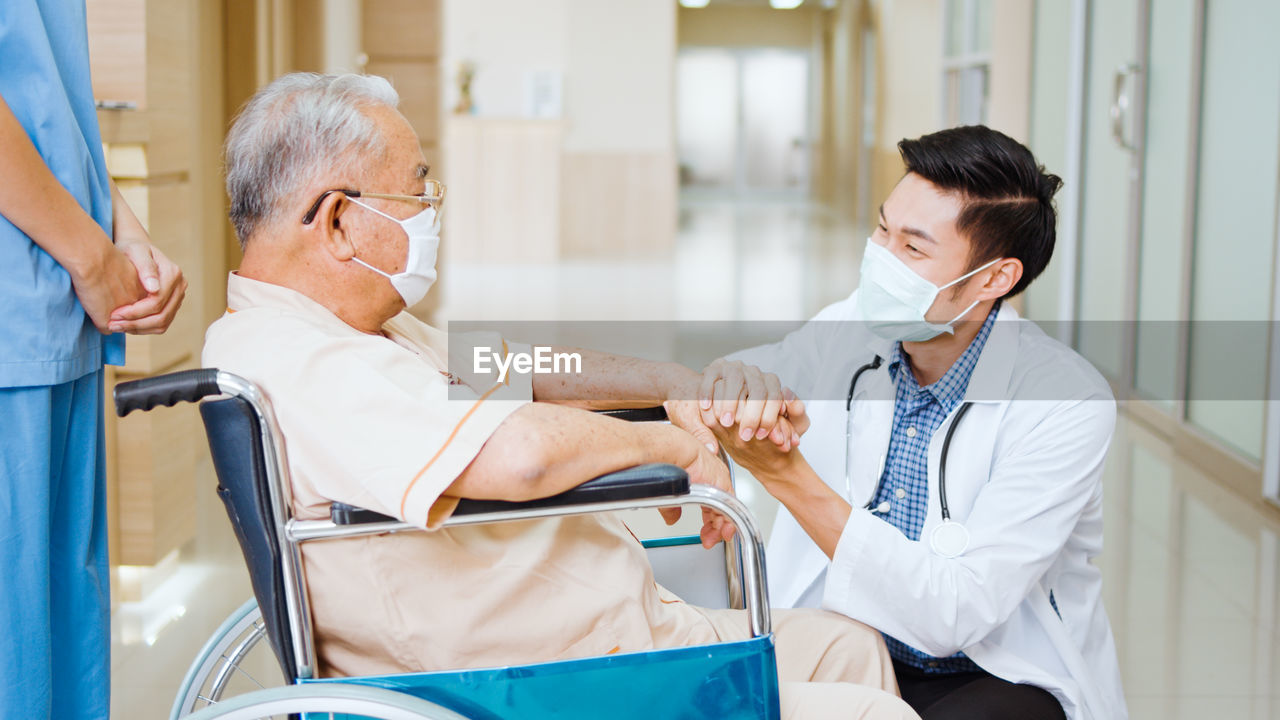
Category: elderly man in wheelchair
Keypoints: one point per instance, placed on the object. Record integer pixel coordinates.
(339, 224)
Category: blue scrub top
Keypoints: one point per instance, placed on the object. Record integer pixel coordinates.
(45, 336)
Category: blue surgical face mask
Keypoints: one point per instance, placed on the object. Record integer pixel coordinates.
(893, 299)
(419, 272)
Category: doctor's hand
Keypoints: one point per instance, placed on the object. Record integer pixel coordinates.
(761, 458)
(733, 393)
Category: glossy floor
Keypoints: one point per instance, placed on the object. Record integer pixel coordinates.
(1192, 570)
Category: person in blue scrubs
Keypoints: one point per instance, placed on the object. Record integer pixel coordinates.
(68, 291)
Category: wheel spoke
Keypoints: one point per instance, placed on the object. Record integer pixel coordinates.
(252, 679)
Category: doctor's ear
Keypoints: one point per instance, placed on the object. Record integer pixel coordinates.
(1001, 277)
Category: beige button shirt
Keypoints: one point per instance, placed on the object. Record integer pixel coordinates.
(371, 421)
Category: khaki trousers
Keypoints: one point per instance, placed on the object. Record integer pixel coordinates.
(829, 666)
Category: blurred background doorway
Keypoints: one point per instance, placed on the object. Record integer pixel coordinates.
(742, 120)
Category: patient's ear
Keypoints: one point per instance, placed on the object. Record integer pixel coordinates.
(328, 228)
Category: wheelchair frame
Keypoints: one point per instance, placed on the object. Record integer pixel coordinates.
(290, 533)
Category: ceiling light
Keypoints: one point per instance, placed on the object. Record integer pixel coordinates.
(694, 3)
(784, 4)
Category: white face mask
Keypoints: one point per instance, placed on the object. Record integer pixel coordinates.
(419, 272)
(893, 299)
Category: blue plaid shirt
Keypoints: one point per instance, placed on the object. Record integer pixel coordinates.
(918, 412)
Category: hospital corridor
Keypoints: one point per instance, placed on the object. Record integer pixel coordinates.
(1190, 567)
(976, 300)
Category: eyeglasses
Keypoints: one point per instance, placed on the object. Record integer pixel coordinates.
(433, 196)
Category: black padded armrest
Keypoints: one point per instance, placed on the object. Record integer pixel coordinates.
(642, 481)
(649, 414)
(344, 514)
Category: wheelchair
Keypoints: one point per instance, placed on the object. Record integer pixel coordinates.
(730, 680)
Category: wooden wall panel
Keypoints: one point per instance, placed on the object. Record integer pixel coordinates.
(169, 222)
(618, 205)
(401, 41)
(402, 28)
(169, 85)
(418, 83)
(154, 49)
(118, 49)
(503, 180)
(156, 500)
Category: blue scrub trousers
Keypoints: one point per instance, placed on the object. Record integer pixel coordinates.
(54, 598)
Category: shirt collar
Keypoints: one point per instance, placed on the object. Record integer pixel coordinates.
(244, 293)
(950, 388)
(247, 294)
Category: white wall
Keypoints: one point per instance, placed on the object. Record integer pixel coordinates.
(616, 56)
(342, 23)
(751, 26)
(617, 60)
(620, 88)
(505, 39)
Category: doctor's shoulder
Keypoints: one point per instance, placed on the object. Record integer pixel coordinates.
(1048, 370)
(842, 329)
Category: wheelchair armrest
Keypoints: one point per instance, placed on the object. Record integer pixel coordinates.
(642, 481)
(649, 414)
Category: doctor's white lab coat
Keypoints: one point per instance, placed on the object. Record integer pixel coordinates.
(1024, 477)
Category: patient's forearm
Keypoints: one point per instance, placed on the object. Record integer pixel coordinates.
(543, 449)
(614, 381)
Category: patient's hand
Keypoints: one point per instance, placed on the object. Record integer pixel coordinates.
(730, 394)
(707, 469)
(734, 393)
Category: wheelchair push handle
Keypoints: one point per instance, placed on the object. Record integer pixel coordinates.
(168, 390)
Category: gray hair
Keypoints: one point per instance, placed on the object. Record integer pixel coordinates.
(299, 125)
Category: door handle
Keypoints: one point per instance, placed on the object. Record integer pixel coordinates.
(1121, 103)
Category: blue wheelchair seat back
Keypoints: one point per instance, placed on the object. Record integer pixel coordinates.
(233, 430)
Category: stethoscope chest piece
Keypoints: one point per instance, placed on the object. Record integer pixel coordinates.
(949, 539)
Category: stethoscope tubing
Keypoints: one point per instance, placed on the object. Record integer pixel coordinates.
(946, 443)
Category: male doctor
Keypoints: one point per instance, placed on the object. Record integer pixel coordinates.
(948, 491)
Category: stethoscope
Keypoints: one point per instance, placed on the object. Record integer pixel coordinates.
(949, 538)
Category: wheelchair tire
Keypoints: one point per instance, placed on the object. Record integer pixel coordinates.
(219, 661)
(360, 700)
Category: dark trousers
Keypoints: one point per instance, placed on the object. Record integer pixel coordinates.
(973, 696)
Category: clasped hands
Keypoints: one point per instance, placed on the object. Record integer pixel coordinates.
(129, 287)
(744, 410)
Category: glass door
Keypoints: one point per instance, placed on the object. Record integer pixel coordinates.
(1164, 242)
(775, 121)
(1103, 292)
(1175, 279)
(743, 120)
(707, 117)
(1053, 140)
(1235, 223)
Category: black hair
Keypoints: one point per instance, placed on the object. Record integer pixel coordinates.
(1007, 198)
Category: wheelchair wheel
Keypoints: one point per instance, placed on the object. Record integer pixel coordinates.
(327, 700)
(230, 663)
